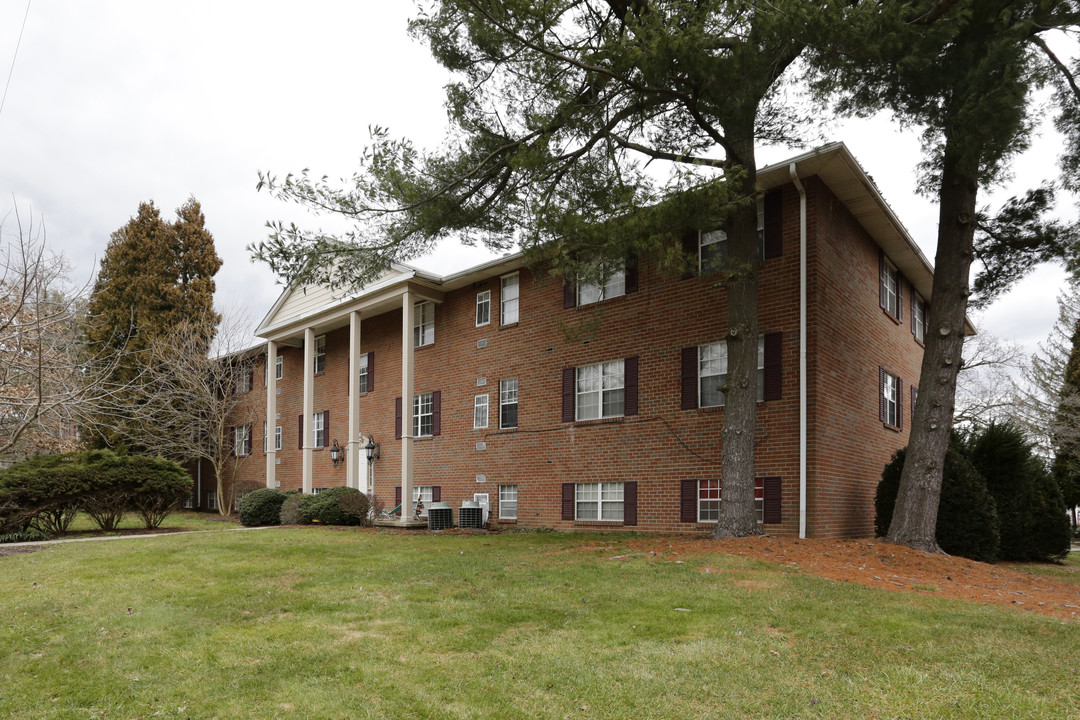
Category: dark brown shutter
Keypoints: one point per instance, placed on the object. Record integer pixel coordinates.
(631, 276)
(774, 224)
(325, 428)
(689, 241)
(689, 378)
(629, 516)
(688, 501)
(371, 371)
(397, 499)
(300, 432)
(568, 381)
(436, 412)
(569, 293)
(881, 393)
(774, 369)
(630, 386)
(397, 418)
(568, 501)
(899, 403)
(881, 279)
(436, 493)
(899, 296)
(772, 506)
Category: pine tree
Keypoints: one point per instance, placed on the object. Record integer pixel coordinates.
(1066, 431)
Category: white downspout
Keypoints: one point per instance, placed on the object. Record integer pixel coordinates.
(802, 348)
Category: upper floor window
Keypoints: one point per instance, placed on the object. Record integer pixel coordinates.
(508, 299)
(600, 391)
(277, 437)
(712, 252)
(362, 382)
(424, 328)
(242, 440)
(279, 367)
(890, 288)
(320, 354)
(891, 389)
(480, 412)
(612, 283)
(713, 370)
(483, 308)
(918, 317)
(318, 430)
(508, 403)
(243, 379)
(423, 414)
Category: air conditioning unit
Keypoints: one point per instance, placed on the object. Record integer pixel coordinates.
(471, 515)
(440, 516)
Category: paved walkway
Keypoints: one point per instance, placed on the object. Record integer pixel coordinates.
(131, 537)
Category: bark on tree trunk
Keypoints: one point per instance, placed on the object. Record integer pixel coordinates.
(914, 521)
(740, 407)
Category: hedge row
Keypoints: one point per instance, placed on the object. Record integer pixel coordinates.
(45, 492)
(335, 506)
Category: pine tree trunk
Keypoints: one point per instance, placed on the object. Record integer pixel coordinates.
(914, 521)
(740, 407)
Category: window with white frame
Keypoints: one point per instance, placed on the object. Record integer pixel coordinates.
(598, 501)
(712, 251)
(211, 501)
(277, 437)
(361, 384)
(600, 391)
(243, 379)
(508, 299)
(508, 403)
(318, 436)
(890, 287)
(890, 397)
(914, 399)
(480, 412)
(918, 317)
(508, 498)
(266, 446)
(710, 494)
(423, 414)
(279, 367)
(713, 369)
(242, 440)
(189, 501)
(424, 327)
(320, 354)
(612, 283)
(483, 308)
(423, 494)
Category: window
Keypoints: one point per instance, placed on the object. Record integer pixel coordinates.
(483, 308)
(890, 399)
(709, 497)
(712, 252)
(423, 414)
(318, 436)
(211, 501)
(480, 412)
(422, 493)
(918, 317)
(279, 367)
(712, 373)
(612, 284)
(600, 391)
(320, 354)
(362, 383)
(424, 329)
(914, 399)
(508, 403)
(265, 445)
(598, 501)
(890, 288)
(243, 379)
(508, 495)
(242, 440)
(277, 437)
(508, 300)
(189, 501)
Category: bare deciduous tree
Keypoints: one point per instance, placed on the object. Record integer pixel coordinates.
(986, 388)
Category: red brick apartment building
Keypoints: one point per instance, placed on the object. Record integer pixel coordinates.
(587, 407)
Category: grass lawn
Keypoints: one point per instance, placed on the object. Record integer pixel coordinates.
(1067, 571)
(319, 623)
(184, 520)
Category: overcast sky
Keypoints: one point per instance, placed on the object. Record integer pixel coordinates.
(115, 102)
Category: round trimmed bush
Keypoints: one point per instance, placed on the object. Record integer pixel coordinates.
(967, 523)
(337, 506)
(261, 507)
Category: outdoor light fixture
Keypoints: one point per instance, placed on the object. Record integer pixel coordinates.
(337, 453)
(371, 449)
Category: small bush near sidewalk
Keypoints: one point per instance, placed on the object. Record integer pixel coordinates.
(339, 506)
(261, 507)
(293, 510)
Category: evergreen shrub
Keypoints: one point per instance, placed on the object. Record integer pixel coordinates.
(261, 507)
(329, 507)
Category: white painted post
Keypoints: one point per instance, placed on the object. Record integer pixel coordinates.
(408, 313)
(271, 413)
(309, 405)
(353, 450)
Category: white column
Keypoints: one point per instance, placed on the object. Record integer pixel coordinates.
(309, 404)
(271, 413)
(408, 314)
(353, 452)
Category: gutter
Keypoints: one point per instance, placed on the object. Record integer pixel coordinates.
(793, 171)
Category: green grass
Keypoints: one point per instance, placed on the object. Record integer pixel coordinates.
(1068, 570)
(321, 623)
(184, 520)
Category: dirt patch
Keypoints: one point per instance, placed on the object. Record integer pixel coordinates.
(19, 550)
(875, 563)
